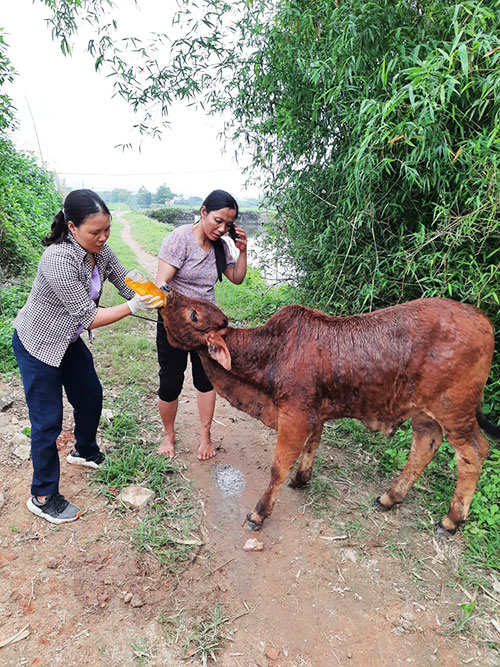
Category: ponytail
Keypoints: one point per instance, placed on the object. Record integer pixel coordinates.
(58, 230)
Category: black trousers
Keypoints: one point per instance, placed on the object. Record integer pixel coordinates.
(173, 363)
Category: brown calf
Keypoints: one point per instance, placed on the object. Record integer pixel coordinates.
(425, 360)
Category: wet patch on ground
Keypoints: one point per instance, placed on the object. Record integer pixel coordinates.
(228, 480)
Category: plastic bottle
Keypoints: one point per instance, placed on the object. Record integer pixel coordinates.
(142, 285)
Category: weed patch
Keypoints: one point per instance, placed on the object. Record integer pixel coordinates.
(169, 526)
(143, 650)
(201, 636)
(373, 457)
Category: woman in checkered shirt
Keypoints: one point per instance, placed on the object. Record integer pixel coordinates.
(50, 353)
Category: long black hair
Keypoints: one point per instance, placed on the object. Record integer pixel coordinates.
(78, 205)
(218, 199)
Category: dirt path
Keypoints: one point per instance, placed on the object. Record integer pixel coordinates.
(318, 595)
(147, 261)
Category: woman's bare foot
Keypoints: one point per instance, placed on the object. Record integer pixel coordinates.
(206, 450)
(167, 446)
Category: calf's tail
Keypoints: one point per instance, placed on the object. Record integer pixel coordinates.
(490, 429)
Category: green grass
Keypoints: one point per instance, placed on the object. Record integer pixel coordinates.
(169, 525)
(252, 302)
(126, 361)
(11, 300)
(125, 356)
(375, 458)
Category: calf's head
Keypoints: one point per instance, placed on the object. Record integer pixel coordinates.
(194, 324)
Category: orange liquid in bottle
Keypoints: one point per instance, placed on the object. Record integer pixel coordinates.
(141, 285)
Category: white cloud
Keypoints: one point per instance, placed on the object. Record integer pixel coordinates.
(79, 124)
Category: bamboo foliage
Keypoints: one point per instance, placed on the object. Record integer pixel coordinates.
(378, 126)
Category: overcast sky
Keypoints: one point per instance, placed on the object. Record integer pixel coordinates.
(79, 125)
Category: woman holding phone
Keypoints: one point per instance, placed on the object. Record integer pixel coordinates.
(191, 260)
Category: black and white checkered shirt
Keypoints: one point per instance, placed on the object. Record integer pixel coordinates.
(59, 300)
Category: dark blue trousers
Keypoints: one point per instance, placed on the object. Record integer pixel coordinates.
(43, 386)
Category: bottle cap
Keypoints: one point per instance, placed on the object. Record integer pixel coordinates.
(136, 276)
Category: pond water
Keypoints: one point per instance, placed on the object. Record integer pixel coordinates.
(272, 268)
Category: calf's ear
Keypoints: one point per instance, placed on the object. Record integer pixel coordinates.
(217, 349)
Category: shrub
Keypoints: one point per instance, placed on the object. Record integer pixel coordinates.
(168, 215)
(28, 203)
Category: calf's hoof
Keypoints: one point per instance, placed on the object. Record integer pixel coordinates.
(297, 483)
(380, 505)
(253, 525)
(442, 532)
(446, 527)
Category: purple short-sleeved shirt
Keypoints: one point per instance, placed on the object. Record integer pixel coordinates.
(95, 290)
(196, 272)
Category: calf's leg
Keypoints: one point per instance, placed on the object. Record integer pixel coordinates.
(427, 438)
(304, 470)
(293, 431)
(471, 449)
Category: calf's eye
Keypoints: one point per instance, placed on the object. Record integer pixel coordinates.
(193, 316)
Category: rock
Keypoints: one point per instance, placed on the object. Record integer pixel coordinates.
(128, 597)
(2, 500)
(21, 446)
(408, 616)
(53, 564)
(136, 496)
(253, 545)
(108, 414)
(272, 653)
(350, 554)
(136, 601)
(6, 401)
(20, 439)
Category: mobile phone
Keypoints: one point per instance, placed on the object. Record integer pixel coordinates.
(232, 232)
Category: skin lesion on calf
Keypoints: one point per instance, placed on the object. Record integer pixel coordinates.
(239, 394)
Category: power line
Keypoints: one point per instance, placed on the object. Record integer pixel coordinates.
(144, 173)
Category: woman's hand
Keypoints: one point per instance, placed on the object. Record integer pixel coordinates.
(236, 272)
(241, 241)
(146, 302)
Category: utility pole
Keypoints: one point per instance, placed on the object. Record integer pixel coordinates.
(36, 133)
